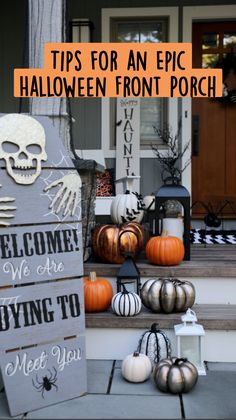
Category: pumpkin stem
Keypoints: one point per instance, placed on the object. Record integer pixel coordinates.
(177, 281)
(154, 327)
(180, 359)
(92, 276)
(135, 354)
(165, 233)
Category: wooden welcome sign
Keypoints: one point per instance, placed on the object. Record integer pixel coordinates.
(42, 327)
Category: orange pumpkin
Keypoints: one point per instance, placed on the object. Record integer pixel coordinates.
(110, 241)
(98, 293)
(165, 250)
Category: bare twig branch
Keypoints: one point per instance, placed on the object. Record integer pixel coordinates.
(170, 159)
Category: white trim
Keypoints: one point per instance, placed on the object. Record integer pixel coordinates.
(204, 12)
(107, 15)
(186, 137)
(191, 13)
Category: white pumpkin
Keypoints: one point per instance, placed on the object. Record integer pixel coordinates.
(126, 303)
(155, 344)
(127, 207)
(136, 367)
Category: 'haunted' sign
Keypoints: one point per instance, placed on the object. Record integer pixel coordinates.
(127, 140)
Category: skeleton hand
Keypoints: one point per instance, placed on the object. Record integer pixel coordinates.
(68, 195)
(5, 207)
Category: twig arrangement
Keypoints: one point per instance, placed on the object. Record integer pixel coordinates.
(170, 159)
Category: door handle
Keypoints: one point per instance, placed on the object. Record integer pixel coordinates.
(195, 135)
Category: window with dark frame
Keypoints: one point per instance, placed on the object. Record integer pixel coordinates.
(153, 111)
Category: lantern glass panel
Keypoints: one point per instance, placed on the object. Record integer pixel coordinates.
(190, 348)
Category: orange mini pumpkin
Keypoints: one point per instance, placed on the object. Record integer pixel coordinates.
(165, 250)
(98, 293)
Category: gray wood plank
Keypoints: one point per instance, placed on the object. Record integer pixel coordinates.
(32, 202)
(193, 268)
(39, 313)
(42, 252)
(212, 317)
(44, 375)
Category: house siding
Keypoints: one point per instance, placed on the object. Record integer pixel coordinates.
(12, 37)
(88, 137)
(86, 112)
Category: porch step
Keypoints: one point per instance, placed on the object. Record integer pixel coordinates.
(109, 336)
(212, 270)
(206, 261)
(195, 268)
(212, 317)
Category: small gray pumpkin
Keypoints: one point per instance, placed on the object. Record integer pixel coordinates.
(175, 375)
(155, 344)
(167, 295)
(126, 303)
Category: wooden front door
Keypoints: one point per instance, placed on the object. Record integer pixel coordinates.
(213, 128)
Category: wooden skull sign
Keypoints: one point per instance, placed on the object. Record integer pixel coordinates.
(22, 146)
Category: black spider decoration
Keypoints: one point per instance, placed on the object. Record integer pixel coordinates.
(212, 218)
(47, 382)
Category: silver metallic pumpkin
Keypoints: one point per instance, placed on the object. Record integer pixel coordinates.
(175, 375)
(167, 295)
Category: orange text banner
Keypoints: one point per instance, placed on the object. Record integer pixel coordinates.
(118, 70)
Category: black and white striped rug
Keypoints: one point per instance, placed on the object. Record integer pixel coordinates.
(205, 236)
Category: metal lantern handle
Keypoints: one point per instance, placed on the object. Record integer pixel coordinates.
(131, 231)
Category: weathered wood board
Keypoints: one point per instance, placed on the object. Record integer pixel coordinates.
(40, 252)
(33, 203)
(40, 313)
(43, 375)
(41, 299)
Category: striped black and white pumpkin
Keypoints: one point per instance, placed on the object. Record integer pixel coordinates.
(155, 344)
(126, 303)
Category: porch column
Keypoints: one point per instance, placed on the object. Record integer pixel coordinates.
(47, 23)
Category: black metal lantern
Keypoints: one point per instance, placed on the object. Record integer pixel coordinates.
(128, 273)
(174, 191)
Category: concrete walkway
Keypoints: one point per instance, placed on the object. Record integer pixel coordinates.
(111, 397)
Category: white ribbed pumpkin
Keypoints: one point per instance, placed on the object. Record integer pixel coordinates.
(127, 208)
(136, 367)
(126, 303)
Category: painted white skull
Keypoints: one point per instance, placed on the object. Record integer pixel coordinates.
(22, 146)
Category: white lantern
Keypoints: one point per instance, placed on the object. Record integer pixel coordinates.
(189, 340)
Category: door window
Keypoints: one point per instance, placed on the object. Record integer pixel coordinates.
(216, 42)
